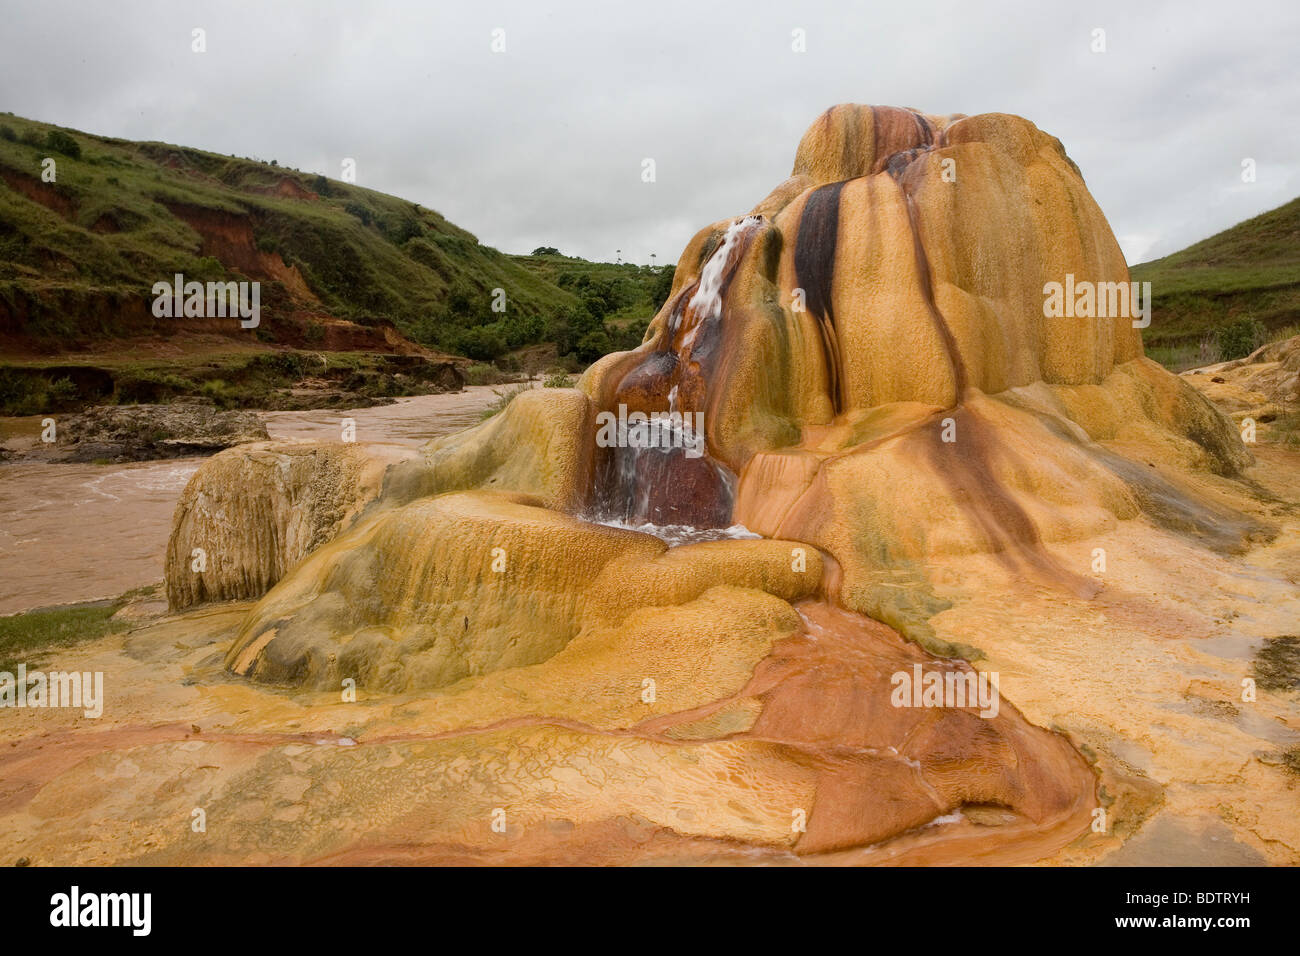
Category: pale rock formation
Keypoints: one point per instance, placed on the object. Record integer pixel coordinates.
(255, 511)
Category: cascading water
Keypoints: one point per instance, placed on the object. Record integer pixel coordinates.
(659, 471)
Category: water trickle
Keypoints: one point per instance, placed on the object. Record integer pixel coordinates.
(679, 534)
(664, 476)
(671, 479)
(707, 300)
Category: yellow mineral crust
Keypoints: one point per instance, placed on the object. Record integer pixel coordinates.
(885, 401)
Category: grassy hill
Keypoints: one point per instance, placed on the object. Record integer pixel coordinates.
(343, 270)
(79, 256)
(1226, 295)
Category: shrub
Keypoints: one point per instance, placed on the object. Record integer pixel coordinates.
(1240, 338)
(61, 142)
(484, 343)
(215, 389)
(21, 394)
(593, 345)
(7, 132)
(287, 364)
(62, 391)
(480, 373)
(557, 378)
(360, 211)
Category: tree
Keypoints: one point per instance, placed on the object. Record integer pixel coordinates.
(546, 251)
(483, 343)
(593, 345)
(661, 286)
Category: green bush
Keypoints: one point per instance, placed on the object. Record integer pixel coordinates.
(7, 133)
(21, 394)
(287, 364)
(61, 142)
(1240, 339)
(593, 345)
(480, 373)
(557, 378)
(360, 211)
(484, 343)
(62, 391)
(214, 388)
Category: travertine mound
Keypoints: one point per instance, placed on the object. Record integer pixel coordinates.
(869, 351)
(881, 392)
(465, 584)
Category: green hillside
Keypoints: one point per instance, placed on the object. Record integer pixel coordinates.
(1227, 294)
(623, 296)
(79, 256)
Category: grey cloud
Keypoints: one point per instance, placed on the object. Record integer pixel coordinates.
(542, 145)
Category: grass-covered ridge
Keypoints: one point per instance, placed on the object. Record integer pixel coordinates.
(79, 256)
(1226, 293)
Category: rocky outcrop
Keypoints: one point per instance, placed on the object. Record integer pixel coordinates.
(251, 513)
(141, 432)
(1263, 387)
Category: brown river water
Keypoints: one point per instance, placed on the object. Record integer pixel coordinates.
(73, 532)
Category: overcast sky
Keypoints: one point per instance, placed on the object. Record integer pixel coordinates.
(543, 143)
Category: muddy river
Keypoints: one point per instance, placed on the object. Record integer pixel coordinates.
(74, 532)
